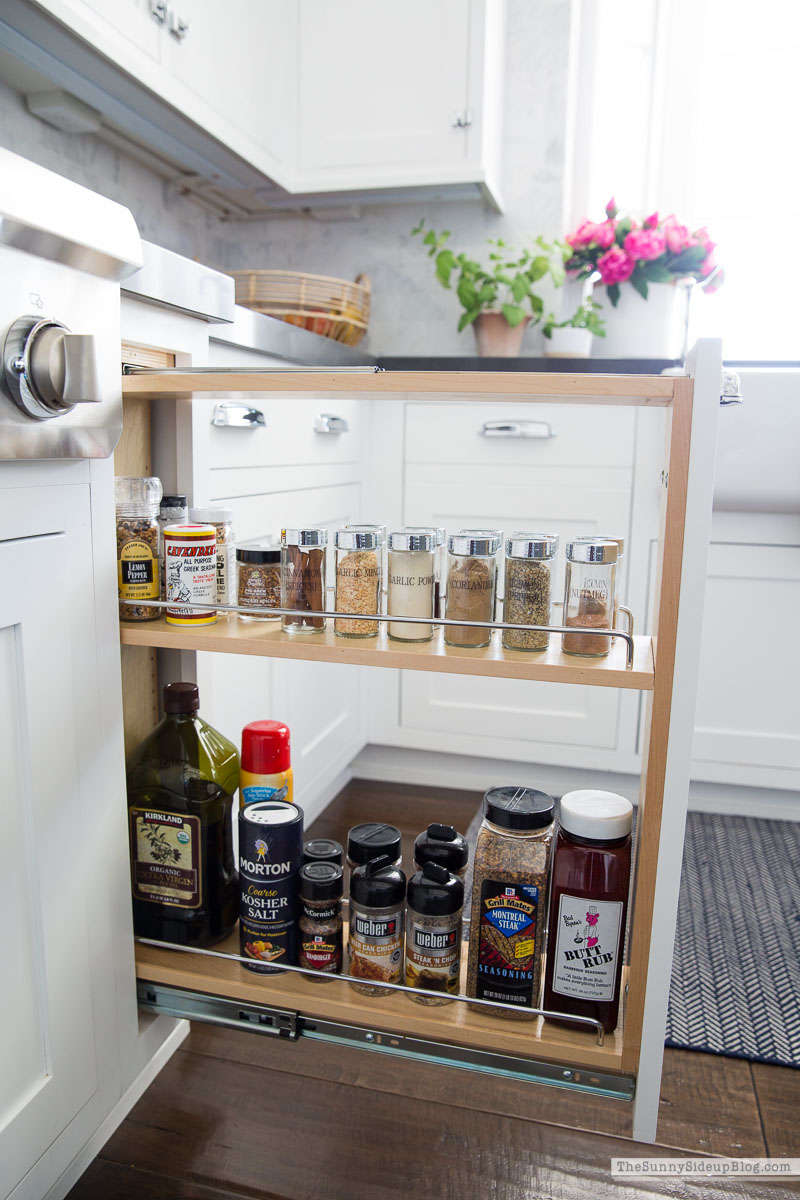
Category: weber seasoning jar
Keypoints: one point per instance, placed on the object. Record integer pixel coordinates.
(303, 577)
(433, 934)
(509, 899)
(359, 557)
(222, 520)
(377, 919)
(530, 558)
(589, 596)
(321, 918)
(136, 502)
(373, 839)
(471, 585)
(258, 575)
(442, 844)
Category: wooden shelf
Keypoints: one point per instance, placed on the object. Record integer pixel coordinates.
(337, 1001)
(232, 636)
(637, 390)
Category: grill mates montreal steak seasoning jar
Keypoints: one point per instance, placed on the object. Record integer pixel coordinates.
(270, 856)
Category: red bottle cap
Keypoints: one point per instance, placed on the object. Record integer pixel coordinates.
(266, 748)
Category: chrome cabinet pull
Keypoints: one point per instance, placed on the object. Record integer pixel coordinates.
(517, 429)
(330, 423)
(731, 389)
(237, 415)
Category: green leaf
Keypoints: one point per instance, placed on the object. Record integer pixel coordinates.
(467, 293)
(539, 267)
(418, 228)
(640, 283)
(557, 273)
(687, 260)
(656, 272)
(501, 277)
(513, 314)
(487, 295)
(467, 318)
(520, 286)
(445, 264)
(613, 294)
(623, 229)
(537, 304)
(430, 238)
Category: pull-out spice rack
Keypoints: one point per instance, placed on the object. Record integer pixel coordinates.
(627, 1065)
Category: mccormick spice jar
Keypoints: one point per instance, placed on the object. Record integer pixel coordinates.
(443, 845)
(190, 555)
(270, 857)
(377, 896)
(589, 596)
(258, 571)
(303, 563)
(411, 579)
(136, 502)
(433, 933)
(171, 511)
(371, 840)
(471, 585)
(588, 906)
(321, 918)
(530, 558)
(359, 558)
(509, 899)
(323, 850)
(222, 520)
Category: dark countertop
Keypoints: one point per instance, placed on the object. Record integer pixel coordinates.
(574, 366)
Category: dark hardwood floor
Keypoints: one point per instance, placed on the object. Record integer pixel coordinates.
(235, 1115)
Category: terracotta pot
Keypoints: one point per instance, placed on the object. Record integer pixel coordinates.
(637, 328)
(568, 343)
(496, 338)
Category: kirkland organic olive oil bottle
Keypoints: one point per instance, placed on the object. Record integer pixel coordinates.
(181, 783)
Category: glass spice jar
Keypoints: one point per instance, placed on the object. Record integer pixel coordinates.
(471, 585)
(589, 593)
(136, 502)
(509, 899)
(321, 919)
(530, 558)
(258, 575)
(303, 578)
(411, 579)
(607, 537)
(222, 520)
(433, 934)
(377, 921)
(359, 552)
(171, 511)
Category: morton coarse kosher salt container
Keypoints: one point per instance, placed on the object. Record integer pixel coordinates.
(190, 565)
(270, 856)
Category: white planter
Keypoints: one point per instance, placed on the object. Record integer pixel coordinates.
(568, 343)
(638, 328)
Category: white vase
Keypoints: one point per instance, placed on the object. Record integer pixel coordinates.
(638, 328)
(568, 343)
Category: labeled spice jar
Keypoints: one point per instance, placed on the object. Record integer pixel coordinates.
(323, 850)
(411, 580)
(443, 845)
(171, 511)
(270, 857)
(222, 520)
(471, 585)
(373, 839)
(258, 576)
(303, 574)
(321, 918)
(440, 586)
(588, 906)
(530, 558)
(509, 899)
(359, 552)
(190, 555)
(377, 918)
(433, 934)
(589, 596)
(607, 537)
(136, 501)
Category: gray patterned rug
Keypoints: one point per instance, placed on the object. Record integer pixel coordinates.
(736, 971)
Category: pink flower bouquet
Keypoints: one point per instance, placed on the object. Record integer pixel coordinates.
(658, 251)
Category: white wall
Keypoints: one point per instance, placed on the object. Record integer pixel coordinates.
(412, 314)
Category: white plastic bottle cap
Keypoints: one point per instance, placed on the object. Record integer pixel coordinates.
(599, 816)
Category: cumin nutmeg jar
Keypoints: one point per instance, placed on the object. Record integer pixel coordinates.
(589, 596)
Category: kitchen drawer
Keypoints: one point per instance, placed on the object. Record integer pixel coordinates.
(585, 435)
(288, 437)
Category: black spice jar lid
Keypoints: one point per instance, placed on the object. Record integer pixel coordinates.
(371, 839)
(323, 850)
(321, 881)
(442, 844)
(518, 808)
(258, 554)
(378, 883)
(435, 892)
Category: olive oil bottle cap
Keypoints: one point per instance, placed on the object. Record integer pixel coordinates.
(181, 698)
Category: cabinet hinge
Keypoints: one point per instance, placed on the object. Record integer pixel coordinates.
(217, 1010)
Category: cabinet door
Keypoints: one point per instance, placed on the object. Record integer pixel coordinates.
(382, 85)
(114, 29)
(50, 1067)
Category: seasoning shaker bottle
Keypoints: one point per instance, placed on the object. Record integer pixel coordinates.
(589, 596)
(222, 520)
(303, 578)
(509, 899)
(433, 934)
(323, 850)
(530, 558)
(410, 583)
(471, 585)
(443, 845)
(190, 557)
(321, 919)
(136, 501)
(359, 558)
(588, 905)
(377, 920)
(371, 840)
(171, 511)
(258, 580)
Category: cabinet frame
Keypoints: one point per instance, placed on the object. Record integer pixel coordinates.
(687, 478)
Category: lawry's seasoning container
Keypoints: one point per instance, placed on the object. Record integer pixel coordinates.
(411, 580)
(509, 899)
(377, 917)
(589, 596)
(530, 558)
(190, 556)
(270, 857)
(359, 563)
(433, 934)
(222, 520)
(321, 918)
(443, 845)
(303, 576)
(136, 501)
(471, 585)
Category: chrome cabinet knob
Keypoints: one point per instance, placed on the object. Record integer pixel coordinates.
(235, 414)
(330, 423)
(517, 429)
(48, 369)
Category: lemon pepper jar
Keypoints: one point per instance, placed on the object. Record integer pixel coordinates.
(136, 502)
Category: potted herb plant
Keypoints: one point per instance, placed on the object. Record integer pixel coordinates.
(646, 272)
(499, 300)
(573, 338)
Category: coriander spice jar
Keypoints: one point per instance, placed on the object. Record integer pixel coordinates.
(377, 919)
(136, 501)
(258, 575)
(589, 596)
(359, 554)
(433, 934)
(530, 558)
(303, 578)
(411, 580)
(471, 585)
